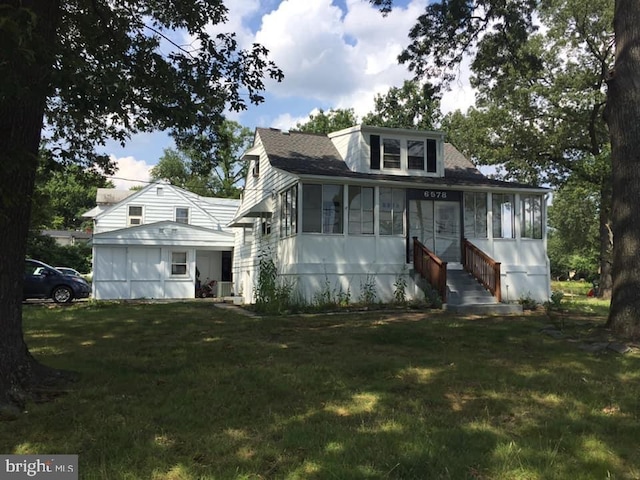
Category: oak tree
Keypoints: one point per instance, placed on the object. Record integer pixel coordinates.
(81, 71)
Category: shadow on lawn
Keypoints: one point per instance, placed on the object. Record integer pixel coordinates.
(187, 391)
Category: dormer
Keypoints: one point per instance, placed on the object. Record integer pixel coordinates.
(391, 151)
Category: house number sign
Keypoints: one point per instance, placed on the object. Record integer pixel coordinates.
(442, 195)
(435, 194)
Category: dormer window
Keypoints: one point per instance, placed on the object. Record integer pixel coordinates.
(411, 155)
(391, 153)
(415, 154)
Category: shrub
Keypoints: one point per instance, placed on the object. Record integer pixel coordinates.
(527, 302)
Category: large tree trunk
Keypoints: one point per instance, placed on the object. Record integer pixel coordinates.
(623, 117)
(26, 74)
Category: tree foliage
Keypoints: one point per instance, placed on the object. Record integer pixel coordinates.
(327, 122)
(62, 194)
(213, 174)
(79, 72)
(574, 225)
(413, 105)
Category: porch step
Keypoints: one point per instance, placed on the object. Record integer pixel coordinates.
(463, 289)
(466, 295)
(486, 309)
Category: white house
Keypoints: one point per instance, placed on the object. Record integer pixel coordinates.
(152, 243)
(345, 208)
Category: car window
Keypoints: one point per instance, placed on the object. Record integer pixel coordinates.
(33, 269)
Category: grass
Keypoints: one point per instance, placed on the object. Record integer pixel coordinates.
(186, 391)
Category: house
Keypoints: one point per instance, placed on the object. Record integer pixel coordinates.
(363, 207)
(154, 242)
(68, 237)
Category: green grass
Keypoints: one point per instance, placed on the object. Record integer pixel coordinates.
(187, 391)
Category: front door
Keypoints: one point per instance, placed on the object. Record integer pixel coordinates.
(436, 223)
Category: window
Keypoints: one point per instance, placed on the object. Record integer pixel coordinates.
(415, 154)
(134, 216)
(265, 225)
(392, 202)
(182, 215)
(289, 212)
(178, 263)
(475, 215)
(391, 153)
(360, 210)
(322, 208)
(503, 215)
(531, 216)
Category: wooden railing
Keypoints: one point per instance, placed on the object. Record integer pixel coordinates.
(483, 267)
(431, 268)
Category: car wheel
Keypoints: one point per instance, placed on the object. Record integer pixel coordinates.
(62, 294)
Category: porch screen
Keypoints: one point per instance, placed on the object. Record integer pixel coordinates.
(475, 215)
(531, 216)
(503, 213)
(322, 208)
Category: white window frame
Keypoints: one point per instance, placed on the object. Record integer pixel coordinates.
(404, 155)
(356, 225)
(393, 212)
(175, 263)
(131, 219)
(180, 220)
(384, 153)
(424, 153)
(531, 222)
(329, 214)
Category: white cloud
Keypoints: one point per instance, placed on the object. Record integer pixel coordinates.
(130, 172)
(341, 58)
(287, 121)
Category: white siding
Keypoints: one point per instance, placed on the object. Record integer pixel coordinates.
(204, 212)
(141, 272)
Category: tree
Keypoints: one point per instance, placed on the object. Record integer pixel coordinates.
(573, 243)
(214, 174)
(331, 121)
(623, 117)
(413, 105)
(62, 194)
(79, 72)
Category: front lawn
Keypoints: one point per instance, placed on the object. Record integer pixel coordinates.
(188, 391)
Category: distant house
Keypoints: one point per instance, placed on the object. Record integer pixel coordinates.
(68, 237)
(154, 242)
(366, 206)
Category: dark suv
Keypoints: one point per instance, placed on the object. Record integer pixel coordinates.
(44, 281)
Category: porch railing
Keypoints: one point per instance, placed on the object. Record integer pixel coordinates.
(483, 267)
(431, 268)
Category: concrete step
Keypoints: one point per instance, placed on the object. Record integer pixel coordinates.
(495, 309)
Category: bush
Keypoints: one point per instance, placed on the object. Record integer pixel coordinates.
(527, 302)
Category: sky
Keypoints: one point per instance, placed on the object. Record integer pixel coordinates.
(333, 53)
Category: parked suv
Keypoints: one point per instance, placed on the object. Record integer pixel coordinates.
(44, 281)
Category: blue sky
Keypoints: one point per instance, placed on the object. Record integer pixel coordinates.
(334, 54)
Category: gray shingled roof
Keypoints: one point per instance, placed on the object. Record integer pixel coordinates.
(313, 154)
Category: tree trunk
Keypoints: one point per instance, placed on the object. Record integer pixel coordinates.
(26, 74)
(623, 117)
(606, 242)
